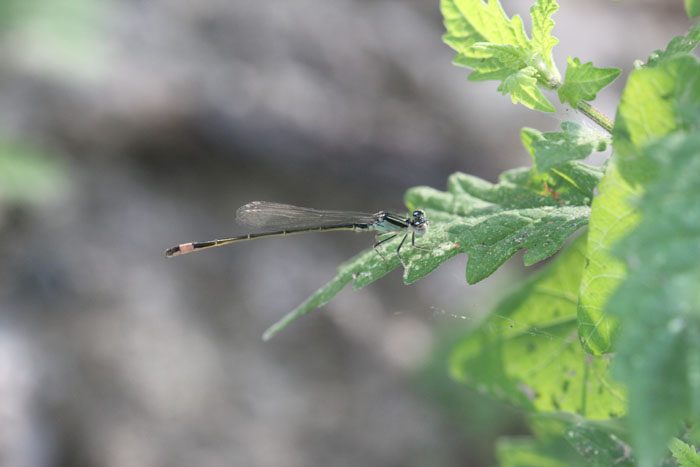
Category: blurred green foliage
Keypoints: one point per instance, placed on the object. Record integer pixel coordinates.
(28, 176)
(57, 35)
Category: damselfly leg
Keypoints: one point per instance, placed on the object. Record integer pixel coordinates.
(383, 240)
(398, 248)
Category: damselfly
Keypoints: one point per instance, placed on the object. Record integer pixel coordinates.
(275, 219)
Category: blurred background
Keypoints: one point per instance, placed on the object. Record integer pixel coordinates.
(129, 126)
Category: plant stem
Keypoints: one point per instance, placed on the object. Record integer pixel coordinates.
(596, 115)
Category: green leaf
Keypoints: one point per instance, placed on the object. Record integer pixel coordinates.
(612, 217)
(599, 445)
(527, 354)
(678, 45)
(655, 102)
(490, 222)
(686, 455)
(658, 351)
(496, 47)
(568, 439)
(692, 8)
(542, 24)
(522, 87)
(657, 362)
(494, 61)
(552, 149)
(470, 21)
(583, 82)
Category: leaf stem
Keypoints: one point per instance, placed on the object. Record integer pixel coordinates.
(596, 115)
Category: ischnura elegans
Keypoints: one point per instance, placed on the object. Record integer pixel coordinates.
(276, 219)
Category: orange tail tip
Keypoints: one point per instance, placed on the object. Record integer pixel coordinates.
(179, 250)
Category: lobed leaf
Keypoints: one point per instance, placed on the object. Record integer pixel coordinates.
(472, 21)
(522, 87)
(549, 150)
(679, 45)
(497, 48)
(510, 57)
(527, 354)
(491, 222)
(583, 82)
(686, 454)
(542, 24)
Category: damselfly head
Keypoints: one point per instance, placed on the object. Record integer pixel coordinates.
(419, 223)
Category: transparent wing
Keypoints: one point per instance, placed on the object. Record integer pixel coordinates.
(270, 216)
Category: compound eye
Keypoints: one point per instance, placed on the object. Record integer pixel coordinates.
(421, 228)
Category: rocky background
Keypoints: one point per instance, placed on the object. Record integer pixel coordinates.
(128, 126)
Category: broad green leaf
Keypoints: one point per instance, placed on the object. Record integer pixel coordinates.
(612, 217)
(583, 82)
(658, 304)
(686, 455)
(552, 149)
(497, 48)
(542, 24)
(692, 8)
(655, 102)
(490, 222)
(527, 353)
(678, 45)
